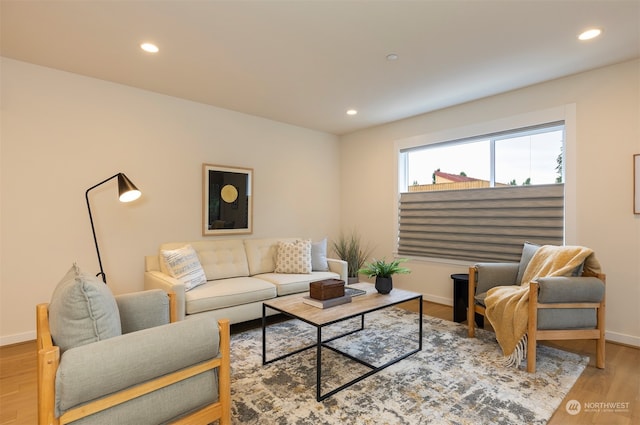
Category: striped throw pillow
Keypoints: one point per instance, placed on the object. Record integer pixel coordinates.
(184, 264)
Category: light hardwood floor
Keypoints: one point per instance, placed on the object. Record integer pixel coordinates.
(618, 383)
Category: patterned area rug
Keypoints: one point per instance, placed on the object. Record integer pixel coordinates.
(453, 380)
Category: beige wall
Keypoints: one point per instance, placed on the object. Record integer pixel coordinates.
(607, 117)
(62, 133)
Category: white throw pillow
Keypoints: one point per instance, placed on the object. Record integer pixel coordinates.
(184, 264)
(319, 256)
(294, 257)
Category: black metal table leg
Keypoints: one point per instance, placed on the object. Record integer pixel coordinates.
(420, 321)
(319, 365)
(264, 334)
(320, 344)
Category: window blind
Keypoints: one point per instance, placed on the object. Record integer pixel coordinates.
(489, 224)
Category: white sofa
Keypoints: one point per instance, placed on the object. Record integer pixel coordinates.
(240, 276)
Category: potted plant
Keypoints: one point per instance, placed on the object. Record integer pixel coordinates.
(383, 271)
(349, 249)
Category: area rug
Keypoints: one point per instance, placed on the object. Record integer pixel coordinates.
(453, 380)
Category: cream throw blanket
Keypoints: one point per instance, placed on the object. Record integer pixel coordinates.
(507, 307)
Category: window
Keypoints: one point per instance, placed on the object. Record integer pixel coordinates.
(527, 156)
(481, 198)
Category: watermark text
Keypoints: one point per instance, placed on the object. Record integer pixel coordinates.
(574, 407)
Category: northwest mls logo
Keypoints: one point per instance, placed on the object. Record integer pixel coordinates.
(573, 407)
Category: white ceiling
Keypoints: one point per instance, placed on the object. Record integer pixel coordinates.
(307, 62)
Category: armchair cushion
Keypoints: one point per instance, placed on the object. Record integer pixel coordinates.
(162, 405)
(82, 310)
(564, 318)
(91, 371)
(480, 298)
(570, 290)
(495, 274)
(143, 310)
(527, 254)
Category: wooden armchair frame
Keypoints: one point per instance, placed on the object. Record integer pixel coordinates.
(49, 360)
(534, 334)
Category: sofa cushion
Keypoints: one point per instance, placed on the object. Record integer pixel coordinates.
(319, 256)
(82, 310)
(183, 264)
(227, 293)
(220, 259)
(294, 283)
(294, 257)
(262, 254)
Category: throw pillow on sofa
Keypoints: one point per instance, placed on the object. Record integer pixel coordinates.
(184, 264)
(319, 256)
(294, 257)
(82, 310)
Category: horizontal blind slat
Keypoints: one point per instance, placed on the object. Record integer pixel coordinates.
(489, 224)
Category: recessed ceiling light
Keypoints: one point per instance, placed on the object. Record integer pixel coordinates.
(352, 112)
(589, 34)
(392, 57)
(149, 47)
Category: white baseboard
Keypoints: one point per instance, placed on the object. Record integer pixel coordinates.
(610, 336)
(17, 338)
(622, 338)
(438, 300)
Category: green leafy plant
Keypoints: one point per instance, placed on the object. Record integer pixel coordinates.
(348, 248)
(381, 268)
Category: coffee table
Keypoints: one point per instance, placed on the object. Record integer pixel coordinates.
(293, 307)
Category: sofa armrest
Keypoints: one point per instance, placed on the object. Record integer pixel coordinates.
(561, 289)
(490, 275)
(158, 280)
(94, 370)
(340, 267)
(143, 310)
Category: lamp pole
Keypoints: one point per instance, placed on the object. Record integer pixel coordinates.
(127, 192)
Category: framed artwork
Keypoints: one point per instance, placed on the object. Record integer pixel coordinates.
(227, 201)
(636, 183)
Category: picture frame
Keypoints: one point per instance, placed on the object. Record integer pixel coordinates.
(227, 200)
(636, 183)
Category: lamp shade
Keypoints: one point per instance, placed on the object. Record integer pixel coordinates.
(127, 191)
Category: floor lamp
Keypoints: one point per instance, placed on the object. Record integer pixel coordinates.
(127, 192)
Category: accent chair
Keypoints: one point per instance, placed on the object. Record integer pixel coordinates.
(115, 360)
(559, 307)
